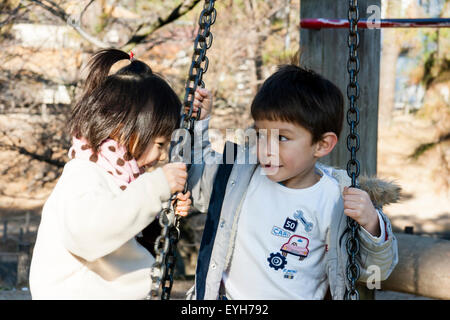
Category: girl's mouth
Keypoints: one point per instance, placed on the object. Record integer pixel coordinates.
(148, 165)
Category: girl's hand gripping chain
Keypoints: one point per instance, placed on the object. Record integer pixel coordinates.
(176, 176)
(183, 204)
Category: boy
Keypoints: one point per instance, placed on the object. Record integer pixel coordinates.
(277, 229)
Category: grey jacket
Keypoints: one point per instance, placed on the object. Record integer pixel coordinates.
(219, 235)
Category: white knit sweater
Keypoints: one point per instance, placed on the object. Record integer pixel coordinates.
(86, 247)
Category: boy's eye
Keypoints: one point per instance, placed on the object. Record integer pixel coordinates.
(283, 138)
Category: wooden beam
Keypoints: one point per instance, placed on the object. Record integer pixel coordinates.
(423, 267)
(326, 52)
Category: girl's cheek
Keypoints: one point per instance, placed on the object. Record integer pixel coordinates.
(163, 155)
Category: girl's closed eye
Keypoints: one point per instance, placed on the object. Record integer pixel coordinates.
(162, 143)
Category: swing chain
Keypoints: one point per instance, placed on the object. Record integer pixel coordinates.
(353, 145)
(163, 269)
(200, 62)
(161, 247)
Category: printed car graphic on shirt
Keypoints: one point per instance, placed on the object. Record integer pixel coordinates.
(297, 245)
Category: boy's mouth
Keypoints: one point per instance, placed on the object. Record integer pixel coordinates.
(270, 169)
(270, 166)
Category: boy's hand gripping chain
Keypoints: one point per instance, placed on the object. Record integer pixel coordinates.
(165, 245)
(353, 144)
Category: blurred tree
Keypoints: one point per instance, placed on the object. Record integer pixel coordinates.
(46, 44)
(391, 47)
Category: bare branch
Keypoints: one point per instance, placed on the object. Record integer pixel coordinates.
(57, 11)
(148, 27)
(14, 147)
(143, 30)
(22, 150)
(84, 10)
(12, 15)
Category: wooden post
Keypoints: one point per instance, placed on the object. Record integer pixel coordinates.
(23, 269)
(5, 231)
(326, 52)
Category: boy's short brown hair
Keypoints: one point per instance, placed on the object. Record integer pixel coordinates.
(303, 97)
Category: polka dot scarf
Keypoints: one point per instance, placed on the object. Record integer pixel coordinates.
(112, 157)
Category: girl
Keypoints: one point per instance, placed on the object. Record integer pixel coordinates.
(86, 245)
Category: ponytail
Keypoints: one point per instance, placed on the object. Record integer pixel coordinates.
(100, 65)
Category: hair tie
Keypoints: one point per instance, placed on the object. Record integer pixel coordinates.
(131, 56)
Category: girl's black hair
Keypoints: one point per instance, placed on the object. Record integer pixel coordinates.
(303, 97)
(133, 105)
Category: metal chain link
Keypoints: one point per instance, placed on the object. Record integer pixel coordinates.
(163, 269)
(200, 62)
(353, 144)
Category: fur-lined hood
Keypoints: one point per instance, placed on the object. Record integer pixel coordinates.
(381, 192)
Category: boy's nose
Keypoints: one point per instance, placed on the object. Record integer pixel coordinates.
(268, 152)
(264, 153)
(266, 147)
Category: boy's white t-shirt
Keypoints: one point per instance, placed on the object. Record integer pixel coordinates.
(280, 247)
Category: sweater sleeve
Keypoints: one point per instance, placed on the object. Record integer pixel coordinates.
(382, 237)
(95, 221)
(377, 255)
(203, 171)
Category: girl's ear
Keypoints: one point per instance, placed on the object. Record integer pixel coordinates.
(326, 144)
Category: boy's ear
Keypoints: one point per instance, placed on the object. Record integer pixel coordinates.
(326, 144)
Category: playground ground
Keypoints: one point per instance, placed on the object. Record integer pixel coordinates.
(181, 286)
